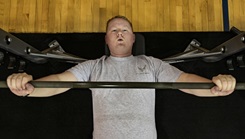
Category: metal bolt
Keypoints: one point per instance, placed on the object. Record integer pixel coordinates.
(243, 39)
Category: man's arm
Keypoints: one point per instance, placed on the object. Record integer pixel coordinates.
(225, 85)
(18, 84)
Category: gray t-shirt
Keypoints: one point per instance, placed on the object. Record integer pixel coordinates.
(125, 113)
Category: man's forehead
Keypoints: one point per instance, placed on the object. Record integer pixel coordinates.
(119, 21)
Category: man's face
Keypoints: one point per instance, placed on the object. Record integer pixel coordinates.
(120, 38)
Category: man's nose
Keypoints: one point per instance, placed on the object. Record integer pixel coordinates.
(119, 33)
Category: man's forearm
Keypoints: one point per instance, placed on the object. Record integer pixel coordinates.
(46, 92)
(186, 77)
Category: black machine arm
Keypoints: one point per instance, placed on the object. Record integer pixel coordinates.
(16, 46)
(55, 51)
(194, 49)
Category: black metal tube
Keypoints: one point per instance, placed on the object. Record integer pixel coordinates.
(136, 85)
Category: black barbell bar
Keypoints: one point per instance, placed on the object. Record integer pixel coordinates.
(136, 85)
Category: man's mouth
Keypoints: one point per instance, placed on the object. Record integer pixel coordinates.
(119, 40)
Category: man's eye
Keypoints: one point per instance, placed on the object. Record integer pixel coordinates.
(114, 30)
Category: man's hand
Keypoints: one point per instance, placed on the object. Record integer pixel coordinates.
(225, 85)
(18, 84)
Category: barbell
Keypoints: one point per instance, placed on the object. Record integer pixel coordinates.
(135, 85)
